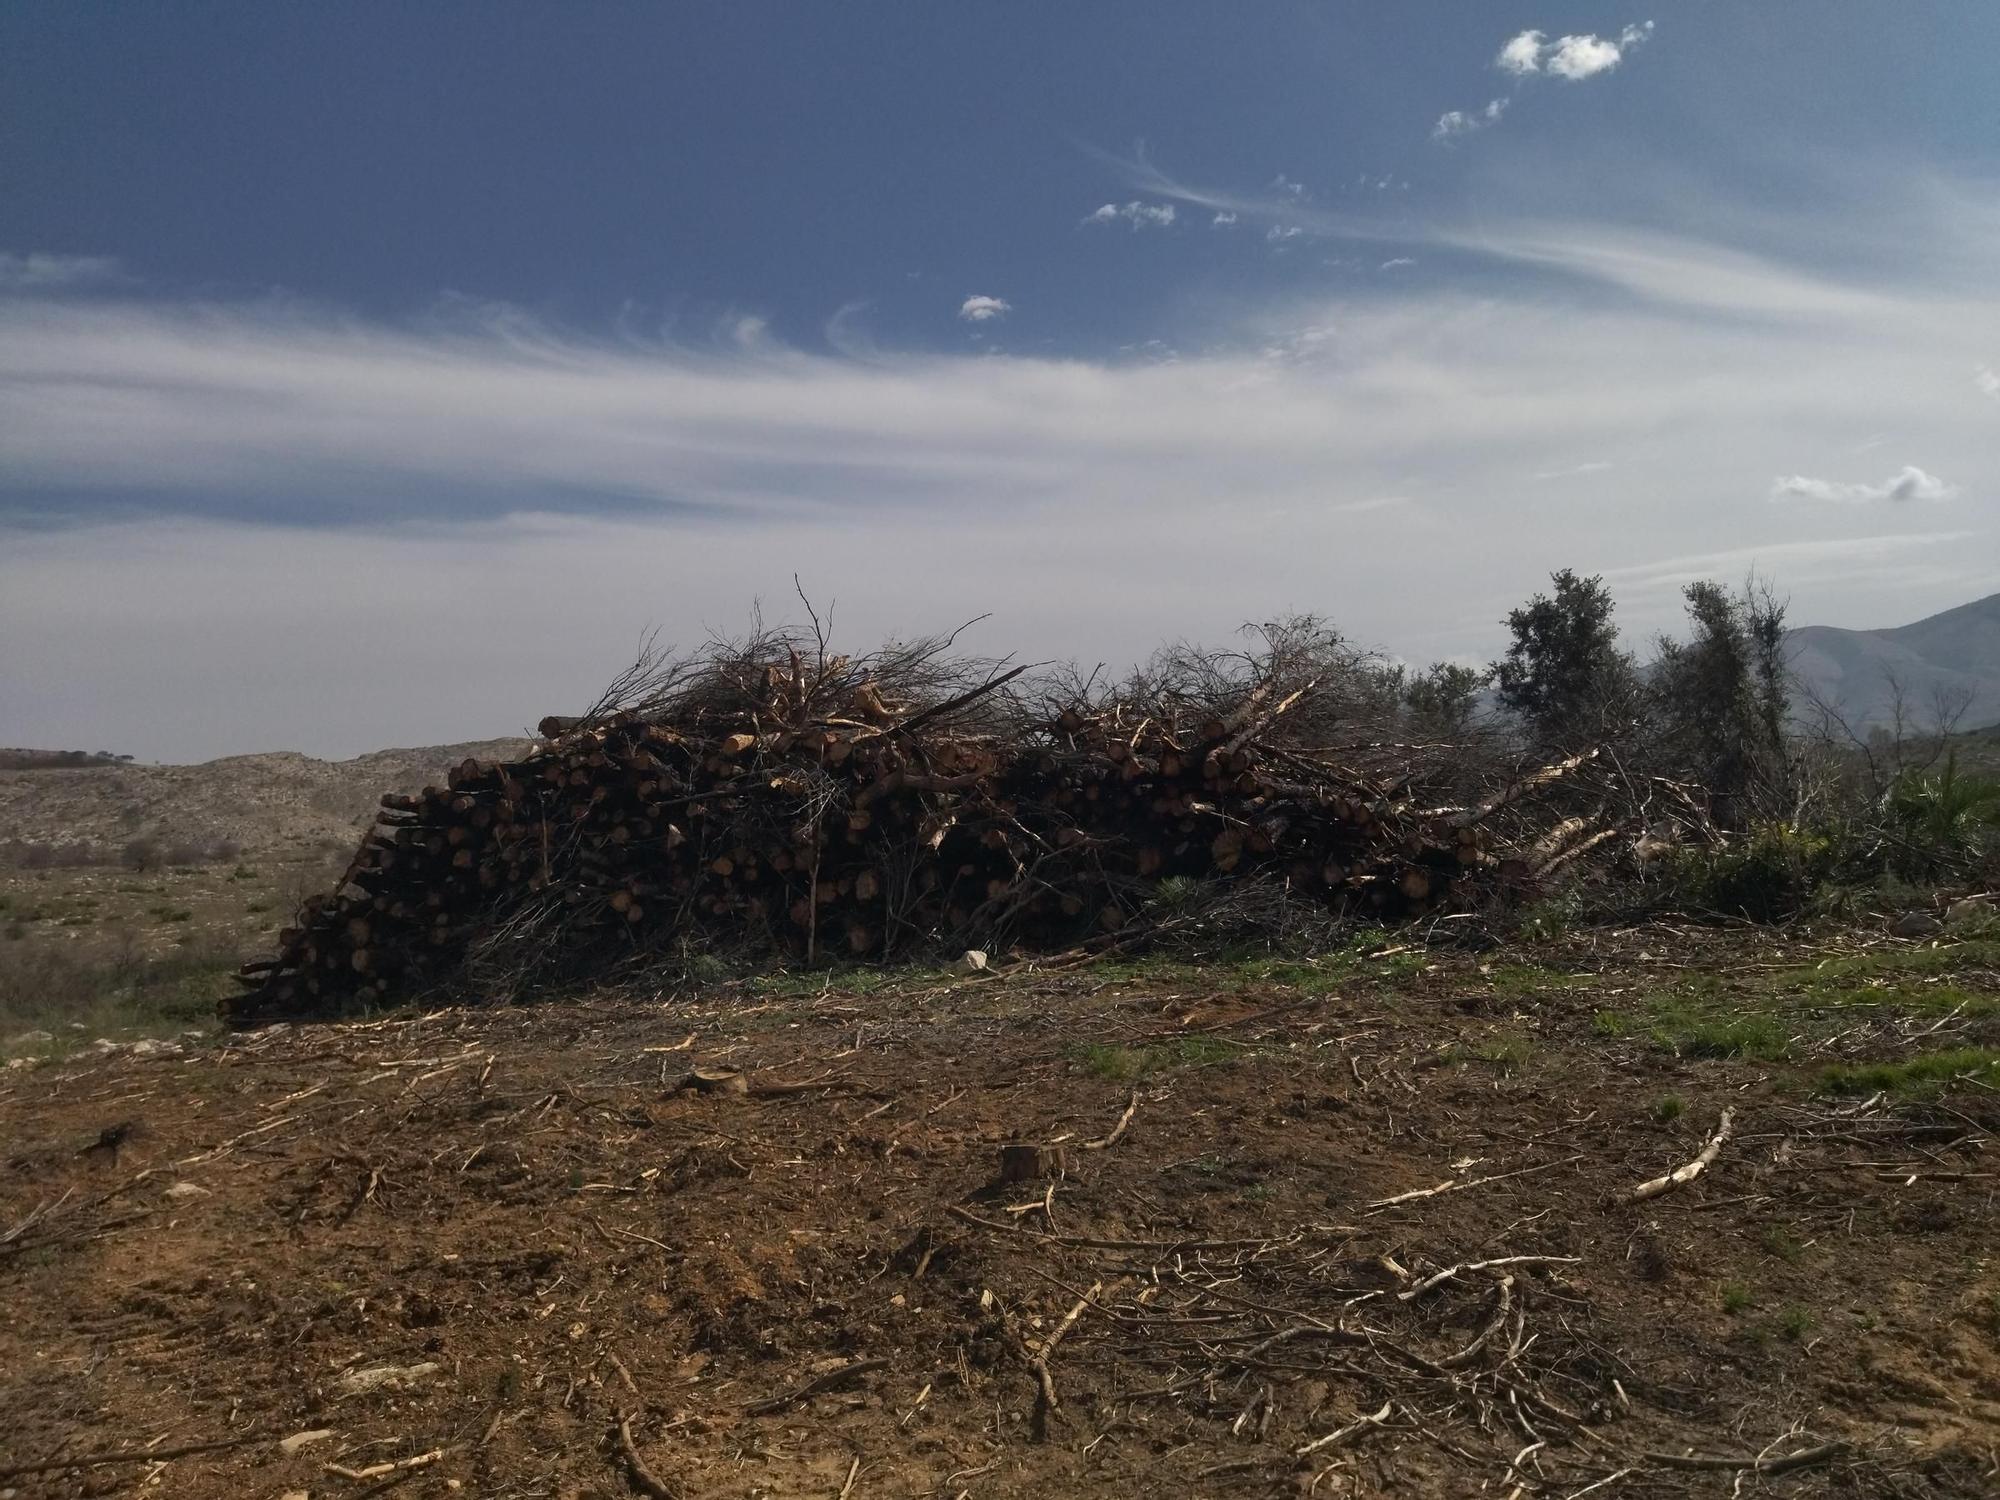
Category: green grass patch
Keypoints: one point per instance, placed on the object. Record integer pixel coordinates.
(1883, 966)
(1668, 1108)
(80, 996)
(1125, 1064)
(1737, 1298)
(804, 984)
(1922, 1076)
(1780, 1243)
(1687, 1029)
(1519, 981)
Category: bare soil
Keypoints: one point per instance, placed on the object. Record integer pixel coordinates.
(807, 1281)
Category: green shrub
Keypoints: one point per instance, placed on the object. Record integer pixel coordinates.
(1940, 822)
(1766, 875)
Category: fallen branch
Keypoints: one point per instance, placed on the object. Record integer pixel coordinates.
(1452, 1185)
(1116, 1130)
(1483, 1265)
(143, 1456)
(1683, 1175)
(1782, 1464)
(813, 1387)
(644, 1480)
(1348, 1433)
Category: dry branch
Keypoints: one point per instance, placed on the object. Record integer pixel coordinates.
(1681, 1176)
(644, 1480)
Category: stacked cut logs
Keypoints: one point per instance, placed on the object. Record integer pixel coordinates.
(856, 835)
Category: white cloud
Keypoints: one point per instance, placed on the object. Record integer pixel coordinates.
(43, 273)
(1222, 220)
(1579, 57)
(1906, 484)
(983, 309)
(1397, 262)
(1283, 184)
(1277, 234)
(1573, 58)
(1530, 54)
(1988, 381)
(1522, 55)
(294, 494)
(1140, 215)
(1456, 122)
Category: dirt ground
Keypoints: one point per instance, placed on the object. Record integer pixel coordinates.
(1333, 1228)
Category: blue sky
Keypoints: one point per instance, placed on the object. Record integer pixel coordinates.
(378, 373)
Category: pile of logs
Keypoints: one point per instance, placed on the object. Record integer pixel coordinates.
(851, 830)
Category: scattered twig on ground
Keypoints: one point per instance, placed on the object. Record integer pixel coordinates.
(1681, 1176)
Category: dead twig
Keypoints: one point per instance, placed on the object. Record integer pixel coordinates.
(1483, 1265)
(813, 1387)
(142, 1456)
(1681, 1176)
(1782, 1464)
(1352, 1430)
(1116, 1130)
(644, 1480)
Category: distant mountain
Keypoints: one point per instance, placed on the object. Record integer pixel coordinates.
(280, 801)
(1955, 654)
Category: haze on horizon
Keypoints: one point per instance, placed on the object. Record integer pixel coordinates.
(379, 375)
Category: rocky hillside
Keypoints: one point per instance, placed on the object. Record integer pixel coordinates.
(1956, 654)
(278, 801)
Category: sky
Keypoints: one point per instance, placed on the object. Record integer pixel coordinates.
(380, 374)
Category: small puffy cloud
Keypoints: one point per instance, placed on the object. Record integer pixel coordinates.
(984, 309)
(1397, 262)
(1576, 58)
(1906, 484)
(1572, 58)
(1222, 220)
(1457, 122)
(1988, 381)
(1522, 55)
(1277, 234)
(48, 273)
(1283, 184)
(1138, 214)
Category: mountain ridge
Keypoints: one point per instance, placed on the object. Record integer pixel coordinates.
(1943, 660)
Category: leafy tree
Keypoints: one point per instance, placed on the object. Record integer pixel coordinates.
(1441, 700)
(1722, 697)
(1564, 672)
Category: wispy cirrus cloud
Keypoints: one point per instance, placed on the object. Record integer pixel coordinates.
(1456, 122)
(38, 272)
(367, 482)
(1900, 488)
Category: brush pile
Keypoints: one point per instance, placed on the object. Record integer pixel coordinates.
(766, 795)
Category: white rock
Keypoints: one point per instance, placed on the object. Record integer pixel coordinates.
(153, 1047)
(975, 959)
(300, 1440)
(188, 1190)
